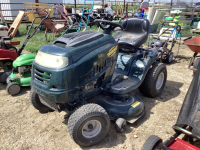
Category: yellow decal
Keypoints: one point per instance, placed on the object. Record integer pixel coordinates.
(135, 104)
(165, 34)
(167, 31)
(112, 51)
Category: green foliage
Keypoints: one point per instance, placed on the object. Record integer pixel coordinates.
(38, 40)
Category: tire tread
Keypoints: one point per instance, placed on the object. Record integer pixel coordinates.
(150, 142)
(81, 113)
(34, 98)
(146, 88)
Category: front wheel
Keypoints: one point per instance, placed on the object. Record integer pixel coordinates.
(13, 88)
(35, 100)
(152, 143)
(88, 125)
(154, 81)
(120, 125)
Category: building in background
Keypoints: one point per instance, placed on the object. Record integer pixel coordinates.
(11, 10)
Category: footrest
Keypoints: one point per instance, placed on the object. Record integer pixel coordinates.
(124, 86)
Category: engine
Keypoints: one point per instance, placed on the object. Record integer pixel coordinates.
(24, 69)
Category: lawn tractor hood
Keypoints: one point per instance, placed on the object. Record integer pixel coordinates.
(74, 64)
(74, 46)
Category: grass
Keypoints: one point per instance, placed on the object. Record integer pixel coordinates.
(35, 42)
(38, 40)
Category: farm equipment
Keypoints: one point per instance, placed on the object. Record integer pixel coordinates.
(21, 73)
(176, 14)
(8, 54)
(194, 45)
(161, 44)
(31, 12)
(7, 50)
(73, 19)
(188, 120)
(92, 74)
(86, 14)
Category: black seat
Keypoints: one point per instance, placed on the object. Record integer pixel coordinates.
(135, 33)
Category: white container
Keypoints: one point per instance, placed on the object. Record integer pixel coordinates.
(198, 27)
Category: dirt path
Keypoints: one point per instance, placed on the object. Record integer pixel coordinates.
(23, 127)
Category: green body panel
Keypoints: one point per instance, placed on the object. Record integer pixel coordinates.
(22, 80)
(24, 59)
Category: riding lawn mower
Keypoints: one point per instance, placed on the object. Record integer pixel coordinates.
(93, 75)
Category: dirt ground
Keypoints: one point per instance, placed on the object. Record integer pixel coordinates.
(23, 127)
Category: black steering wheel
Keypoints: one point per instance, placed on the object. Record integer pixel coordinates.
(107, 29)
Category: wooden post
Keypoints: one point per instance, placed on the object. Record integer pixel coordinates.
(127, 7)
(75, 4)
(171, 3)
(124, 6)
(119, 7)
(132, 8)
(102, 6)
(36, 1)
(116, 8)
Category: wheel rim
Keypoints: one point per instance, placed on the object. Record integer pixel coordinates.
(170, 57)
(91, 128)
(14, 89)
(12, 49)
(160, 81)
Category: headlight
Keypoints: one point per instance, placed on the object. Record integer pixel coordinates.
(51, 61)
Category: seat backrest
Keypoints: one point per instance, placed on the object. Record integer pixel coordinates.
(136, 25)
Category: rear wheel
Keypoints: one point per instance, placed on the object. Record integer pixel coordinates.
(88, 125)
(154, 81)
(13, 88)
(152, 143)
(170, 57)
(11, 48)
(35, 100)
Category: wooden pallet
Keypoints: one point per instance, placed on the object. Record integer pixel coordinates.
(15, 25)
